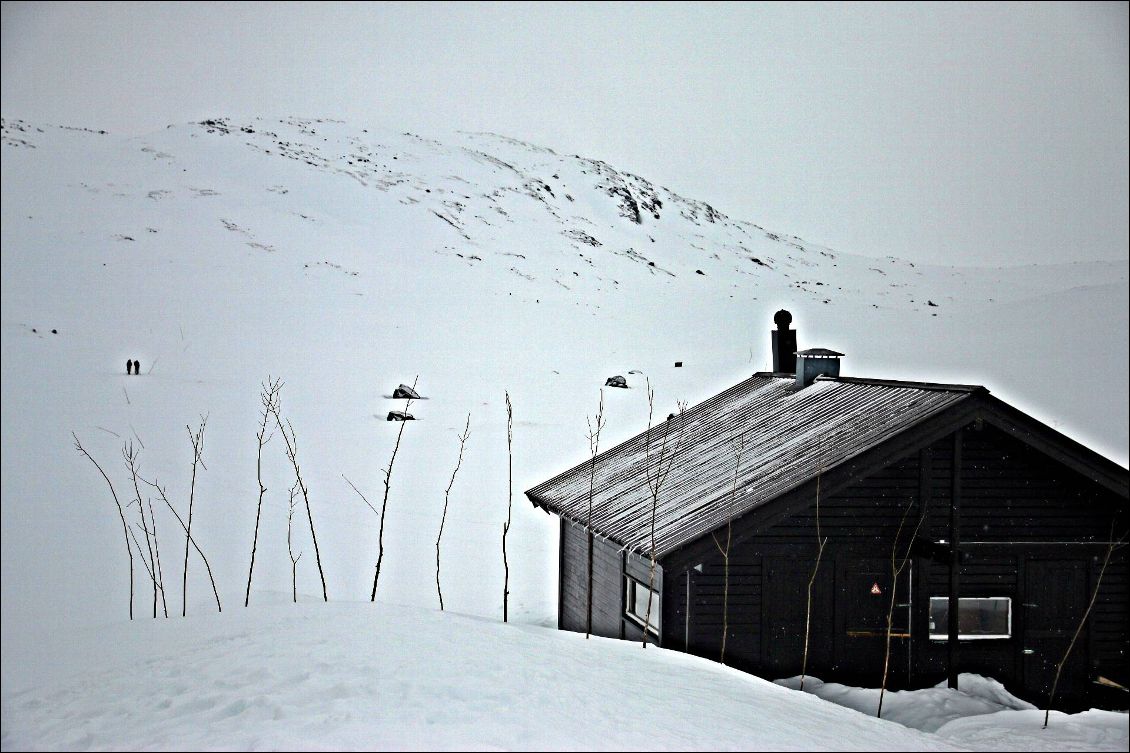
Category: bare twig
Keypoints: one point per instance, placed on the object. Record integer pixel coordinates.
(821, 541)
(157, 555)
(130, 455)
(289, 544)
(509, 505)
(269, 398)
(291, 441)
(897, 566)
(1111, 546)
(384, 503)
(446, 497)
(164, 497)
(595, 424)
(151, 573)
(725, 551)
(121, 514)
(362, 496)
(654, 486)
(197, 440)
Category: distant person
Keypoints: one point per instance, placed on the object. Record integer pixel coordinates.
(129, 367)
(136, 367)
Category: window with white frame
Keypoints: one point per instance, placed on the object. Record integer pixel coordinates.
(978, 617)
(635, 604)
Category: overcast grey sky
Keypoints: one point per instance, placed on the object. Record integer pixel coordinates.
(951, 133)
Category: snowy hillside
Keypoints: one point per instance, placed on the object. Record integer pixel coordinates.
(346, 262)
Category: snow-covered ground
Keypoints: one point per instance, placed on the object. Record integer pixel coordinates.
(347, 262)
(358, 676)
(979, 715)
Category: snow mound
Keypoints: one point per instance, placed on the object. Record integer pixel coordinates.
(988, 689)
(981, 715)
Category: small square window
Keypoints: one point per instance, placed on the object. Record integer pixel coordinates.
(635, 604)
(978, 617)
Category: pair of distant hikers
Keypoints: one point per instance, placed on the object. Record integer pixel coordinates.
(133, 367)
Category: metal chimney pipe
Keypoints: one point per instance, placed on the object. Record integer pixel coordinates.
(784, 344)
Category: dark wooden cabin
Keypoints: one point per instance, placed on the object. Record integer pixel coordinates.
(1003, 522)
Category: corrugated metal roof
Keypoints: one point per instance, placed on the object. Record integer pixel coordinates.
(788, 437)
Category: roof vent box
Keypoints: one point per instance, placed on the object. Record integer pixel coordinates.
(816, 362)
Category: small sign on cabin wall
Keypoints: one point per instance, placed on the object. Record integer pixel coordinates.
(875, 590)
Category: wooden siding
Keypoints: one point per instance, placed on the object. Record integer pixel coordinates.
(607, 606)
(702, 635)
(1020, 511)
(1011, 492)
(1111, 615)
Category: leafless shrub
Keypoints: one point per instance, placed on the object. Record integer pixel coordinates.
(291, 440)
(197, 440)
(269, 398)
(898, 564)
(446, 498)
(595, 424)
(384, 502)
(149, 528)
(655, 484)
(821, 541)
(509, 505)
(289, 545)
(725, 550)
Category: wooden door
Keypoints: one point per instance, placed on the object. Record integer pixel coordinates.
(1055, 597)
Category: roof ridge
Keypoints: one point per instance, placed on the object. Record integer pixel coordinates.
(909, 384)
(935, 386)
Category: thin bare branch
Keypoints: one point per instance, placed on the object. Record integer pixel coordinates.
(164, 497)
(157, 555)
(509, 506)
(152, 575)
(654, 486)
(898, 564)
(821, 541)
(131, 455)
(291, 440)
(726, 551)
(1111, 546)
(269, 397)
(197, 440)
(121, 514)
(289, 543)
(384, 503)
(446, 498)
(595, 425)
(362, 496)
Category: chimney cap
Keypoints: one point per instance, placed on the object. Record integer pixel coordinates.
(819, 352)
(782, 319)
